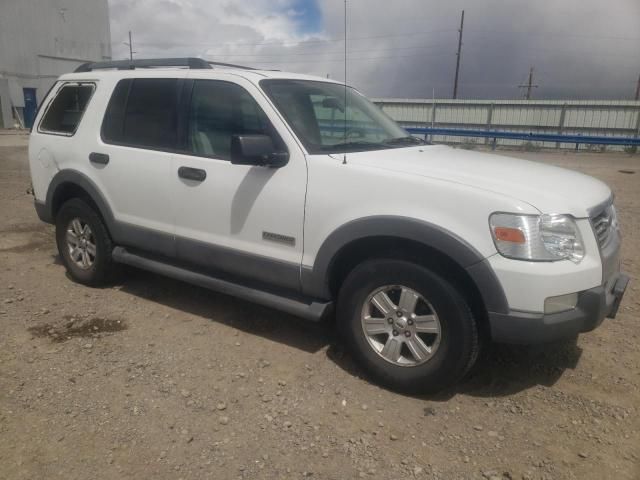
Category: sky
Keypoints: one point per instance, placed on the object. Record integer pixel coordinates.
(579, 49)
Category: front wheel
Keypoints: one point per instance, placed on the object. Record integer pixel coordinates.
(407, 326)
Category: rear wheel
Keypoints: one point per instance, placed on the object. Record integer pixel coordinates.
(407, 326)
(84, 243)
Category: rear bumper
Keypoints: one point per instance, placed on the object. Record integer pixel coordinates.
(592, 308)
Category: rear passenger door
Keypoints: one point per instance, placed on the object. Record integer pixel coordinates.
(138, 134)
(243, 220)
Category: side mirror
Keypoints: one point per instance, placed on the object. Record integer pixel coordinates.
(256, 150)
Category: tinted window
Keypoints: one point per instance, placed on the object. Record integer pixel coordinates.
(65, 112)
(143, 112)
(218, 111)
(112, 125)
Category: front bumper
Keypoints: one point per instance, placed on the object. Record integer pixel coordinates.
(593, 306)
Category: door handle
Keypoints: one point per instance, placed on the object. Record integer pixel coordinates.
(196, 174)
(99, 158)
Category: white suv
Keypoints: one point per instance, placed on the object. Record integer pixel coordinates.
(298, 193)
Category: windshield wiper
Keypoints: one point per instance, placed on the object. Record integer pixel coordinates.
(408, 140)
(349, 145)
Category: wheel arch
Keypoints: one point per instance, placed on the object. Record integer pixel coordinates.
(410, 239)
(67, 184)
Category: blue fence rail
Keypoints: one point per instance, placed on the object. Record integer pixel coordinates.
(530, 136)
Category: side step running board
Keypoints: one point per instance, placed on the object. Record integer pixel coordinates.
(313, 311)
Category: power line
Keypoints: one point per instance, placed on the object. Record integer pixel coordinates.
(339, 60)
(409, 34)
(289, 42)
(293, 43)
(474, 49)
(531, 48)
(559, 34)
(305, 54)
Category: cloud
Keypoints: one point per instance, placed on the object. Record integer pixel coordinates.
(405, 48)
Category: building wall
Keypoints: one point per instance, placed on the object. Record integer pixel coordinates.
(570, 117)
(42, 39)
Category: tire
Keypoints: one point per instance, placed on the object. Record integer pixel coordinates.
(442, 320)
(100, 268)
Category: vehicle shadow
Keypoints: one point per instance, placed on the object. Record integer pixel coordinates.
(501, 370)
(504, 370)
(216, 307)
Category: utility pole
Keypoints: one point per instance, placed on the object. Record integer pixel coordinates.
(455, 81)
(529, 85)
(130, 44)
(638, 89)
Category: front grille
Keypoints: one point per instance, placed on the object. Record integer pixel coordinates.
(603, 225)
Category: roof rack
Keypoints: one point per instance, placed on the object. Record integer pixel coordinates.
(189, 62)
(230, 65)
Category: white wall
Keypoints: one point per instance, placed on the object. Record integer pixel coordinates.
(41, 39)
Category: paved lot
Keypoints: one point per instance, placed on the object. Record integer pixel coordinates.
(156, 379)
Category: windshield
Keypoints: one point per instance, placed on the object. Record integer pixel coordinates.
(316, 112)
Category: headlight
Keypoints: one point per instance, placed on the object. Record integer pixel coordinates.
(615, 225)
(537, 237)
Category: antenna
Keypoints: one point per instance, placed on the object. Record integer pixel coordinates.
(344, 158)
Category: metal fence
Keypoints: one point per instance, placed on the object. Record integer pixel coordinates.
(536, 123)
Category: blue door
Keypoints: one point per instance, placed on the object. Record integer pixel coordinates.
(30, 106)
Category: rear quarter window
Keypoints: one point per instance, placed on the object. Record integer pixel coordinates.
(64, 113)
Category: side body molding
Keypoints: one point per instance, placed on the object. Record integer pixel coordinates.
(315, 280)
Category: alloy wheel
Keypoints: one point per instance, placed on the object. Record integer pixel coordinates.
(81, 243)
(400, 325)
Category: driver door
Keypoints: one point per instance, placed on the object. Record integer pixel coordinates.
(239, 220)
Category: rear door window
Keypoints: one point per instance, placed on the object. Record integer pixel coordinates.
(65, 111)
(143, 112)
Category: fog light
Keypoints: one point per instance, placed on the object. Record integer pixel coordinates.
(561, 303)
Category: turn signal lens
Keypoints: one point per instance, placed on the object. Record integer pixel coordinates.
(513, 235)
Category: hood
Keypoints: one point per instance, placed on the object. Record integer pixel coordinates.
(547, 188)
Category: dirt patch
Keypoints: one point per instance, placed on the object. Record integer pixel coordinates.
(78, 327)
(24, 238)
(202, 385)
(23, 228)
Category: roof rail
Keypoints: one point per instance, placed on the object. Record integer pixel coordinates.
(189, 62)
(231, 65)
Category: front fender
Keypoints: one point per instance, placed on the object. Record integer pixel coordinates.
(315, 280)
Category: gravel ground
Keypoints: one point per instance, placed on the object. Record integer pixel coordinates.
(153, 378)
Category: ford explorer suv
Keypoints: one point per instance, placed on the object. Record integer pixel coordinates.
(298, 193)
